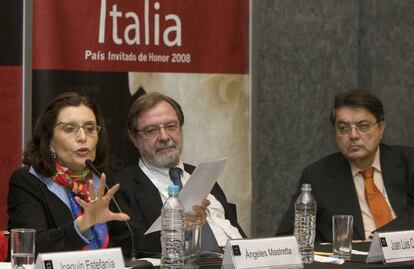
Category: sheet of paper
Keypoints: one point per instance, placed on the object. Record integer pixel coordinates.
(330, 259)
(358, 252)
(197, 188)
(155, 262)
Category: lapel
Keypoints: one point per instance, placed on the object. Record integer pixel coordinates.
(147, 196)
(60, 213)
(189, 168)
(343, 187)
(393, 174)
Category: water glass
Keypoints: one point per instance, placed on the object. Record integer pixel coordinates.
(342, 236)
(22, 248)
(192, 246)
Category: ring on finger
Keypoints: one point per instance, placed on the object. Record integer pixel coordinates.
(92, 200)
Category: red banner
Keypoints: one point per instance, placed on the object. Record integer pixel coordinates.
(10, 131)
(196, 51)
(201, 36)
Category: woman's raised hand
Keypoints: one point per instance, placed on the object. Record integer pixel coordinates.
(96, 210)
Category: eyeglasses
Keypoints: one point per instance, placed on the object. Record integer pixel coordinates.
(73, 128)
(155, 130)
(345, 128)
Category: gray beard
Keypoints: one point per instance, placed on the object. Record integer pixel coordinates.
(165, 161)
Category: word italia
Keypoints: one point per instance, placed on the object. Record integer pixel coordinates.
(402, 244)
(167, 30)
(270, 252)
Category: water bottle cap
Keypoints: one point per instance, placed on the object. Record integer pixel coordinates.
(173, 189)
(306, 187)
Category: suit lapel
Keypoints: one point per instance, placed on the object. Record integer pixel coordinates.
(59, 211)
(343, 187)
(148, 197)
(392, 171)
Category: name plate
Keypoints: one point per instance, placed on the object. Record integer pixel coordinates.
(110, 258)
(262, 253)
(392, 247)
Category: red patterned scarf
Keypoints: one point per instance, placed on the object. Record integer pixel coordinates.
(78, 183)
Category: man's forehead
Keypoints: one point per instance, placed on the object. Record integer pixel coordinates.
(162, 112)
(353, 114)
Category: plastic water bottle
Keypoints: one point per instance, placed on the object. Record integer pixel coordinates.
(305, 223)
(172, 230)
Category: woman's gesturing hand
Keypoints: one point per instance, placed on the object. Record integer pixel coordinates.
(96, 210)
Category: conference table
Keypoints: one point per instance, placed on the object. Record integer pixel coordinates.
(356, 262)
(346, 265)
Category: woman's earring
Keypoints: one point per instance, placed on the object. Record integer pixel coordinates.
(53, 154)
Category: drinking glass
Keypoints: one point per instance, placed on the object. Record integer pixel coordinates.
(22, 248)
(342, 236)
(192, 247)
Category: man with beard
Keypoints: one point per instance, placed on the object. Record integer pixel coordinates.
(155, 128)
(369, 180)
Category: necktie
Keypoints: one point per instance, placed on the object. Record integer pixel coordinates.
(376, 201)
(175, 176)
(208, 240)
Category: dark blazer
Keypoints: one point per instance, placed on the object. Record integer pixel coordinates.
(143, 204)
(32, 205)
(334, 190)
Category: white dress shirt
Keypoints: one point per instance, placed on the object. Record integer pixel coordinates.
(368, 219)
(221, 227)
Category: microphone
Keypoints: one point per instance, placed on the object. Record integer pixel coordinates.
(133, 261)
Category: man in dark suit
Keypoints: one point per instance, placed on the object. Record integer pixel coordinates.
(155, 128)
(371, 181)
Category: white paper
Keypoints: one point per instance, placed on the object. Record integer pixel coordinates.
(5, 265)
(271, 252)
(155, 262)
(330, 259)
(95, 258)
(358, 252)
(197, 187)
(390, 247)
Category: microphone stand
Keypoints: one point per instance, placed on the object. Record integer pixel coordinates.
(132, 261)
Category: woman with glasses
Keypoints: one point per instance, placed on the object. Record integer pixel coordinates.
(55, 193)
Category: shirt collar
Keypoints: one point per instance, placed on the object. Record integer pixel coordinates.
(163, 171)
(376, 164)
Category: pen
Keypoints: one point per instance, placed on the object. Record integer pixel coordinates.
(325, 243)
(326, 254)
